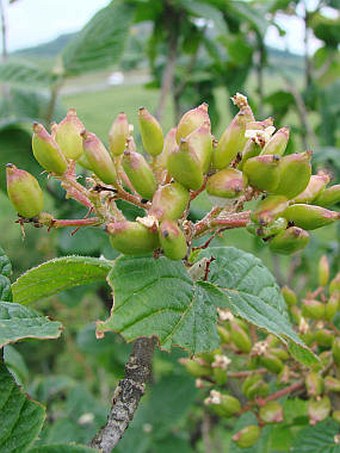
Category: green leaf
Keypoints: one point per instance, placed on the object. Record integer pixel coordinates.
(249, 290)
(57, 275)
(5, 271)
(158, 297)
(24, 74)
(5, 264)
(101, 42)
(18, 322)
(318, 439)
(21, 418)
(62, 448)
(208, 12)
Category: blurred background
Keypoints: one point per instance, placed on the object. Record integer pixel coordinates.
(102, 58)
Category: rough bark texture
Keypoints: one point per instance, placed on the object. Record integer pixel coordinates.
(127, 395)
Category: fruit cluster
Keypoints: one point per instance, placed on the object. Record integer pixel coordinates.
(246, 163)
(264, 370)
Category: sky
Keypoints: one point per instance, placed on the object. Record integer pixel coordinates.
(32, 22)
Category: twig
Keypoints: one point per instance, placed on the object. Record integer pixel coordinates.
(127, 395)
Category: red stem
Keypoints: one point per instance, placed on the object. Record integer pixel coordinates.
(62, 223)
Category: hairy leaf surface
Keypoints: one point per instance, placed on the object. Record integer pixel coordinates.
(18, 322)
(57, 275)
(21, 418)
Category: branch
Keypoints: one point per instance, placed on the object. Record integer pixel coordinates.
(127, 395)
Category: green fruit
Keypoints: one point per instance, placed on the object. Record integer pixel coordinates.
(336, 351)
(172, 240)
(24, 192)
(132, 238)
(332, 306)
(151, 132)
(201, 142)
(119, 134)
(169, 201)
(316, 185)
(294, 174)
(251, 149)
(310, 217)
(46, 151)
(222, 404)
(323, 271)
(313, 309)
(269, 209)
(332, 384)
(99, 158)
(328, 197)
(278, 143)
(289, 296)
(271, 362)
(289, 241)
(232, 140)
(139, 173)
(314, 384)
(266, 231)
(263, 172)
(183, 165)
(228, 183)
(191, 120)
(67, 135)
(272, 412)
(247, 437)
(318, 410)
(240, 337)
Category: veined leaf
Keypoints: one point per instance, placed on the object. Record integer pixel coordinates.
(21, 418)
(57, 275)
(25, 74)
(159, 297)
(5, 271)
(18, 322)
(317, 439)
(101, 42)
(249, 290)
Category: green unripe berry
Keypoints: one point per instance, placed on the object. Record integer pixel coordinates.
(46, 151)
(24, 192)
(318, 410)
(201, 141)
(272, 412)
(119, 134)
(228, 183)
(172, 240)
(267, 210)
(314, 384)
(240, 337)
(151, 132)
(294, 173)
(247, 437)
(99, 158)
(310, 217)
(67, 135)
(263, 172)
(169, 201)
(183, 165)
(328, 197)
(316, 185)
(278, 143)
(313, 309)
(139, 173)
(289, 241)
(191, 120)
(132, 238)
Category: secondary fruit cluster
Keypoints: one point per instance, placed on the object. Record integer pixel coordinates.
(246, 163)
(261, 367)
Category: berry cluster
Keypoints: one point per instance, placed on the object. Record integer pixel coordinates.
(266, 373)
(246, 163)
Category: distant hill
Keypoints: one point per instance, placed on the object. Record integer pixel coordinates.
(46, 50)
(51, 49)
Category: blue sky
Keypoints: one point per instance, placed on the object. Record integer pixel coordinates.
(31, 22)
